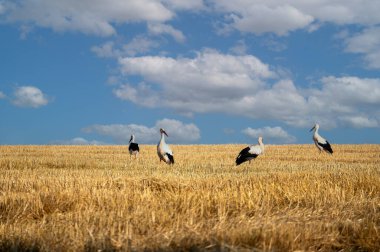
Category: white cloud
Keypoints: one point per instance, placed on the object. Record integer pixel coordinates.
(208, 71)
(342, 12)
(203, 84)
(100, 17)
(159, 28)
(106, 50)
(2, 95)
(78, 141)
(260, 19)
(178, 132)
(185, 4)
(272, 134)
(88, 16)
(347, 100)
(211, 82)
(360, 122)
(242, 85)
(367, 42)
(282, 101)
(29, 96)
(142, 94)
(281, 17)
(121, 133)
(138, 45)
(352, 91)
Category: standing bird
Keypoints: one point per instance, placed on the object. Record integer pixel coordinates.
(250, 152)
(133, 147)
(163, 150)
(320, 142)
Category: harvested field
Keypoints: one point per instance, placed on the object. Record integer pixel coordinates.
(90, 198)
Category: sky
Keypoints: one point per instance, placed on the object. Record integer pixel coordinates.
(207, 71)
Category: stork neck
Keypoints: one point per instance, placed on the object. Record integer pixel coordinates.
(162, 137)
(261, 144)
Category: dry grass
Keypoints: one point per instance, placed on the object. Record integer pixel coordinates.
(90, 198)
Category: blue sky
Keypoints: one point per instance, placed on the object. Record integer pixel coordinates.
(94, 72)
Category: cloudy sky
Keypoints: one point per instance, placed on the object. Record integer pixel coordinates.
(208, 71)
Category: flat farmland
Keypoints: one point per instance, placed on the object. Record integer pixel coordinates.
(97, 198)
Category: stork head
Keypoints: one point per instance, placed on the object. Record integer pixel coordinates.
(162, 131)
(132, 138)
(260, 139)
(315, 127)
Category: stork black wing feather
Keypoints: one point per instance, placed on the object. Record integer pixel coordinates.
(171, 158)
(326, 146)
(133, 147)
(244, 156)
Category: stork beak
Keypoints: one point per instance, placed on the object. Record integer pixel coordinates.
(312, 129)
(165, 133)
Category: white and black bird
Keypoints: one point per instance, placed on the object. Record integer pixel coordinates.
(250, 152)
(320, 142)
(133, 148)
(163, 150)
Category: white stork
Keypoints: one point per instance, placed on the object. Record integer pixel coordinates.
(250, 152)
(163, 150)
(133, 147)
(320, 142)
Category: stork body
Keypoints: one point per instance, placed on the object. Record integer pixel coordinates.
(250, 152)
(163, 150)
(133, 148)
(321, 143)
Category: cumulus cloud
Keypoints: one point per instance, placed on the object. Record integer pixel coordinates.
(367, 43)
(88, 16)
(100, 17)
(210, 82)
(159, 28)
(29, 96)
(141, 94)
(272, 134)
(282, 17)
(259, 19)
(352, 91)
(350, 100)
(200, 84)
(178, 131)
(245, 86)
(360, 122)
